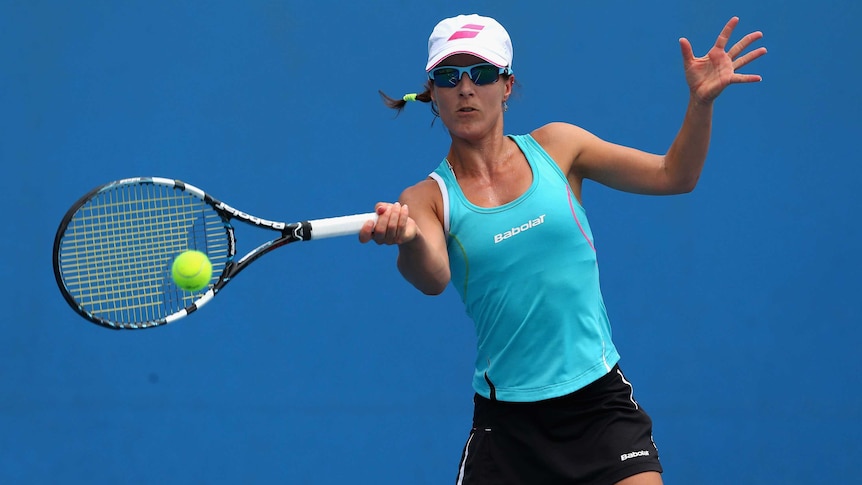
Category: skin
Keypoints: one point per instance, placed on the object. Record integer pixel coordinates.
(492, 171)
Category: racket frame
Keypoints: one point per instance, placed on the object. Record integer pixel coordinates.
(289, 232)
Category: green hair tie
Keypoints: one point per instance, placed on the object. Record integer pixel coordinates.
(410, 97)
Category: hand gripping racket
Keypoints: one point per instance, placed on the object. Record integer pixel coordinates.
(114, 248)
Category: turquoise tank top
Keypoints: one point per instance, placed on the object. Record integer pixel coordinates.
(529, 279)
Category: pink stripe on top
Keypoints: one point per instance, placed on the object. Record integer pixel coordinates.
(467, 34)
(575, 215)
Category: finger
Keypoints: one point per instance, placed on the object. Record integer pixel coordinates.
(392, 223)
(402, 223)
(724, 36)
(373, 234)
(687, 52)
(379, 231)
(748, 58)
(744, 43)
(367, 231)
(745, 78)
(381, 207)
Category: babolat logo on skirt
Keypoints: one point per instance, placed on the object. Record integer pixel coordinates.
(518, 230)
(634, 454)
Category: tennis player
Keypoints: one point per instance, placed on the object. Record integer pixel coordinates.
(501, 219)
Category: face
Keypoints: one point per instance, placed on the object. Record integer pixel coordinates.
(469, 110)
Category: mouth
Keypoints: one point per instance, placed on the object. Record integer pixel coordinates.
(467, 109)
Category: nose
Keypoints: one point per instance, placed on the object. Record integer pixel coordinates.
(465, 84)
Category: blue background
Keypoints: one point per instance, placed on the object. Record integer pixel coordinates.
(736, 307)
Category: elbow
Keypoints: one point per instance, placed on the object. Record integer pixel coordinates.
(682, 185)
(680, 175)
(429, 283)
(430, 286)
(432, 290)
(688, 186)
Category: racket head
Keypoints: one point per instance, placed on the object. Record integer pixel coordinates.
(114, 249)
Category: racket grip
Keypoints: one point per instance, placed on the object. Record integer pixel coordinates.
(340, 226)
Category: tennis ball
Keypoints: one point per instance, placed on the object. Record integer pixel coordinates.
(192, 270)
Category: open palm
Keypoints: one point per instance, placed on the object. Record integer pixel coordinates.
(707, 76)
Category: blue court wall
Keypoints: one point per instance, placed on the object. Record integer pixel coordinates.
(735, 307)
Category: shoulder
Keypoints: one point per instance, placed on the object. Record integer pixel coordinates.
(563, 142)
(424, 199)
(422, 192)
(559, 133)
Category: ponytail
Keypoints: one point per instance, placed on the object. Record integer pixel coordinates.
(399, 104)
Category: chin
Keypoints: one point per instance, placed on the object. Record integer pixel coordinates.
(470, 130)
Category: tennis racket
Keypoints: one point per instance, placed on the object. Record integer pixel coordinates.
(114, 249)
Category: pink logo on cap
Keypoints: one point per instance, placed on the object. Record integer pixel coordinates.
(473, 31)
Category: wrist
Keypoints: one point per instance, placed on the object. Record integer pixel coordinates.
(699, 101)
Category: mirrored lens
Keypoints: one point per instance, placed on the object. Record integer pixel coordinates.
(480, 74)
(484, 74)
(446, 77)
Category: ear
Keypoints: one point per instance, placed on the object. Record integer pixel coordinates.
(510, 83)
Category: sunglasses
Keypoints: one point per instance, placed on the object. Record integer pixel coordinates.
(480, 74)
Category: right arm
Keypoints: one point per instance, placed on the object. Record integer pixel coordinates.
(414, 224)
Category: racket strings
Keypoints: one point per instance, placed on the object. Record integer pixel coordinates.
(117, 250)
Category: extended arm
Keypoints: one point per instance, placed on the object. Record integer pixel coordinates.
(583, 155)
(413, 224)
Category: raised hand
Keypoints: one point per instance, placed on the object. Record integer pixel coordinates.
(707, 76)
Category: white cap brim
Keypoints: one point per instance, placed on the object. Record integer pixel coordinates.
(494, 59)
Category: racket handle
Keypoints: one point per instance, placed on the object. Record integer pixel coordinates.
(340, 226)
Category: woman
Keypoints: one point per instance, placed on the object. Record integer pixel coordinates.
(501, 219)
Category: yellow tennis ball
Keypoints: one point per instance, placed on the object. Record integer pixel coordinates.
(192, 270)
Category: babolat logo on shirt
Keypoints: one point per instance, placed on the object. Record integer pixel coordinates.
(518, 230)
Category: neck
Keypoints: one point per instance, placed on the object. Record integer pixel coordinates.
(480, 159)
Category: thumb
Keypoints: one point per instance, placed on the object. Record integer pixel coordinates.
(687, 52)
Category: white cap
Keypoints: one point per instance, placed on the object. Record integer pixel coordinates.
(473, 34)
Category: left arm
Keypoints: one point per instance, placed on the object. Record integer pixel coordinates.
(583, 155)
(706, 77)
